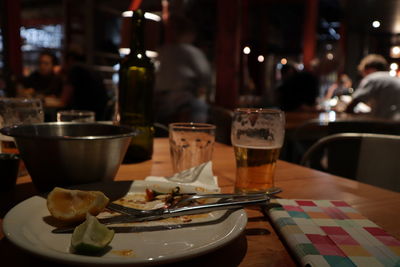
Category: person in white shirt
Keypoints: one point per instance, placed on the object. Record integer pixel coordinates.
(379, 90)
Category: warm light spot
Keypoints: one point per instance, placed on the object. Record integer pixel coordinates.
(394, 66)
(395, 51)
(283, 61)
(329, 56)
(151, 54)
(127, 14)
(147, 15)
(260, 58)
(376, 24)
(152, 16)
(392, 73)
(246, 50)
(124, 51)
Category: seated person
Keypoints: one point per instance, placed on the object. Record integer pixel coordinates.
(44, 81)
(377, 89)
(183, 78)
(341, 87)
(83, 88)
(298, 90)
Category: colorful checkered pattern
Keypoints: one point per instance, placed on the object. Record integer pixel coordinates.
(332, 233)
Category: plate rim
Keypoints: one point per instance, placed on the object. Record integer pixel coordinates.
(58, 256)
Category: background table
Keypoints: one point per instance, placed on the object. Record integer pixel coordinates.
(259, 245)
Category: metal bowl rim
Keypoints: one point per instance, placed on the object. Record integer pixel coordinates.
(6, 131)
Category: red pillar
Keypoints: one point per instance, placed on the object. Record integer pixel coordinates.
(228, 53)
(11, 21)
(310, 32)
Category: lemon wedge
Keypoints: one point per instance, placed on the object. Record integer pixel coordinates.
(90, 237)
(72, 205)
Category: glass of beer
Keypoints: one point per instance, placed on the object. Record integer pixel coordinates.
(257, 136)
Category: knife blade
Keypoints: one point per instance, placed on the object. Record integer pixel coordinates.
(162, 213)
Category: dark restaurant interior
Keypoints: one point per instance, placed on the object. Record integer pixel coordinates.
(252, 47)
(331, 66)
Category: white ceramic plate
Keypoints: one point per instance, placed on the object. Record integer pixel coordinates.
(25, 226)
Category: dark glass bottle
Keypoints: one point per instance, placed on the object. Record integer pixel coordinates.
(136, 83)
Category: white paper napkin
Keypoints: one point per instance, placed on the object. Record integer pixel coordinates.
(199, 176)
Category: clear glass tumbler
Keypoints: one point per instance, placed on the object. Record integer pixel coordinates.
(191, 144)
(15, 111)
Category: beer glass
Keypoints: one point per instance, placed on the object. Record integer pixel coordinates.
(257, 136)
(191, 144)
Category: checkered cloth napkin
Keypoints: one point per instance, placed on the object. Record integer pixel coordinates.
(332, 233)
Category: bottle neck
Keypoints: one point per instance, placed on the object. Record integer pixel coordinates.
(137, 37)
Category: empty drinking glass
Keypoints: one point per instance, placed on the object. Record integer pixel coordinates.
(190, 144)
(14, 111)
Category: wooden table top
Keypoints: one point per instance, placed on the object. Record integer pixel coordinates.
(259, 245)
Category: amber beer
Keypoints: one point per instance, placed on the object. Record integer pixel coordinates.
(257, 136)
(255, 168)
(7, 145)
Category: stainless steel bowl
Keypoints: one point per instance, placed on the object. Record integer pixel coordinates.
(60, 154)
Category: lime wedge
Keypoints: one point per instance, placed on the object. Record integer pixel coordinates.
(91, 236)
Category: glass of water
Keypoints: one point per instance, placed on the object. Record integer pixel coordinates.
(15, 111)
(191, 144)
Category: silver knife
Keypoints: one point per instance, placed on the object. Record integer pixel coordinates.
(162, 213)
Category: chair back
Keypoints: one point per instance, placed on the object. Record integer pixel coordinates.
(368, 158)
(300, 139)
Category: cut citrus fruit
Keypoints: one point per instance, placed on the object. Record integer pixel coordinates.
(91, 236)
(72, 205)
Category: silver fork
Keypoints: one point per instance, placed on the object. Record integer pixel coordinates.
(223, 197)
(162, 213)
(188, 198)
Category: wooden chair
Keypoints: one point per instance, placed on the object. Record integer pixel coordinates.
(300, 139)
(369, 158)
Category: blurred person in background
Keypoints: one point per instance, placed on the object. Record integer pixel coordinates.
(44, 81)
(83, 88)
(341, 87)
(377, 89)
(298, 90)
(183, 78)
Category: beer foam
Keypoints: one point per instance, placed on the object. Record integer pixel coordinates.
(255, 146)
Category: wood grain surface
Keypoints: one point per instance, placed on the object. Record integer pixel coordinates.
(259, 245)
